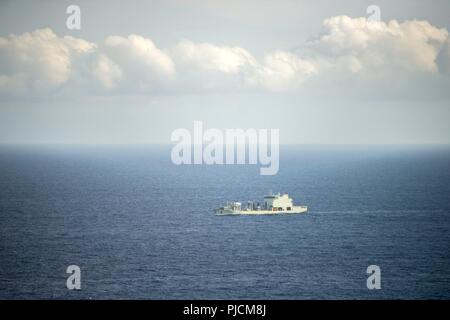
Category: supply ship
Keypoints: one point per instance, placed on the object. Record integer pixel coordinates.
(273, 204)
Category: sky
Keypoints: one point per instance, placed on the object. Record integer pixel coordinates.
(321, 72)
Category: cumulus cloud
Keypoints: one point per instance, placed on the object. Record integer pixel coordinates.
(214, 66)
(349, 49)
(206, 66)
(356, 45)
(39, 61)
(108, 73)
(135, 63)
(212, 58)
(281, 71)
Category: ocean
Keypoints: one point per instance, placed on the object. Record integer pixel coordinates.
(140, 227)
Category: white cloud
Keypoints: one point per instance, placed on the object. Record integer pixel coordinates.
(38, 62)
(144, 67)
(356, 45)
(214, 67)
(212, 58)
(210, 67)
(352, 50)
(106, 72)
(282, 71)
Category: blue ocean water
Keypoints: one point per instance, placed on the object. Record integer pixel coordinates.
(140, 227)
